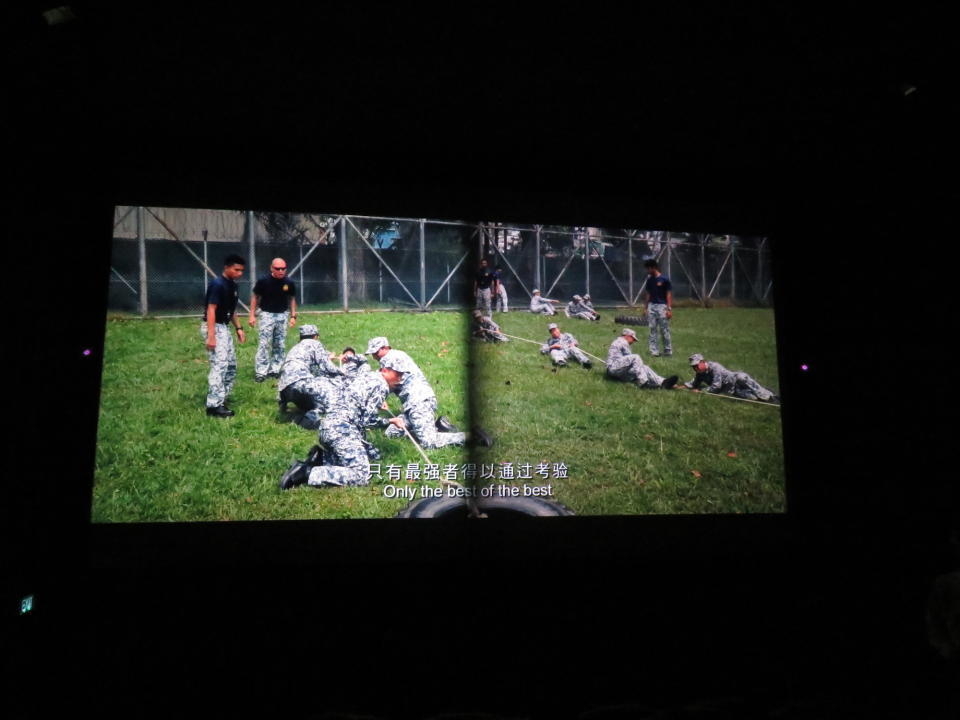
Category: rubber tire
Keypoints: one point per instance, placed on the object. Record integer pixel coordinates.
(456, 507)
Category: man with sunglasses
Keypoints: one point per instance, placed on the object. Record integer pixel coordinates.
(272, 293)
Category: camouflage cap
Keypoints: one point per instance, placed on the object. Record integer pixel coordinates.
(394, 362)
(695, 359)
(536, 292)
(375, 344)
(587, 296)
(477, 313)
(308, 330)
(631, 333)
(552, 326)
(577, 297)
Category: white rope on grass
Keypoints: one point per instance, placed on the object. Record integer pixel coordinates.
(534, 342)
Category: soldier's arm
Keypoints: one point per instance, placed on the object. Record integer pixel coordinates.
(252, 320)
(717, 385)
(293, 311)
(326, 365)
(211, 326)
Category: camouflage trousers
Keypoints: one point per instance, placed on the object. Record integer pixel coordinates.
(501, 301)
(421, 422)
(636, 372)
(560, 357)
(483, 300)
(272, 328)
(345, 461)
(223, 365)
(316, 393)
(490, 335)
(585, 315)
(543, 309)
(749, 389)
(659, 324)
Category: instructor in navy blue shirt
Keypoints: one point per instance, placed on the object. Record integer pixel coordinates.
(659, 295)
(221, 304)
(272, 294)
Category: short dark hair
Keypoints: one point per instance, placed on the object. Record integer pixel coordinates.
(233, 260)
(651, 263)
(348, 349)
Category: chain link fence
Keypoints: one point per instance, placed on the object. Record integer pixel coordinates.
(163, 258)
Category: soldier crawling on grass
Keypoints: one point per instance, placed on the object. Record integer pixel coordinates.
(484, 328)
(720, 381)
(625, 365)
(563, 346)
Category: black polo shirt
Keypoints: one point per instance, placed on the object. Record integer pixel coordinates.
(223, 293)
(274, 293)
(485, 278)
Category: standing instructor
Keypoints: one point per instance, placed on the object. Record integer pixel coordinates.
(272, 293)
(221, 303)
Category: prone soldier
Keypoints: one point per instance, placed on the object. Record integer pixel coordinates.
(625, 365)
(484, 328)
(562, 346)
(720, 381)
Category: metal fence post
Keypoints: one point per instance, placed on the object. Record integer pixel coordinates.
(669, 255)
(733, 271)
(142, 248)
(760, 266)
(630, 266)
(536, 264)
(586, 261)
(251, 238)
(423, 266)
(344, 290)
(205, 263)
(703, 270)
(303, 290)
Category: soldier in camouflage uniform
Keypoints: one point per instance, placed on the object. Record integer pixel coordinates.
(343, 457)
(353, 365)
(721, 381)
(586, 302)
(380, 348)
(220, 306)
(484, 328)
(541, 305)
(576, 309)
(625, 365)
(562, 346)
(419, 405)
(308, 378)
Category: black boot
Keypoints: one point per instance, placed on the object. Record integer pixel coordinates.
(296, 474)
(669, 382)
(220, 411)
(315, 456)
(443, 424)
(481, 437)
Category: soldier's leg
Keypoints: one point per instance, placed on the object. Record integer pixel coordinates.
(225, 340)
(504, 304)
(559, 357)
(487, 299)
(647, 378)
(578, 355)
(422, 426)
(665, 328)
(749, 389)
(653, 318)
(216, 393)
(279, 343)
(345, 459)
(261, 361)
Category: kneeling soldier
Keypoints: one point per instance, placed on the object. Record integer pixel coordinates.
(308, 378)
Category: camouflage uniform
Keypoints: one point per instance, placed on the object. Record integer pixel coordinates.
(541, 306)
(355, 366)
(345, 449)
(308, 377)
(501, 301)
(625, 365)
(568, 350)
(576, 309)
(223, 365)
(719, 380)
(483, 300)
(272, 342)
(419, 408)
(657, 319)
(484, 328)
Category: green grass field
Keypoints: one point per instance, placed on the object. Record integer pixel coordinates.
(633, 451)
(160, 458)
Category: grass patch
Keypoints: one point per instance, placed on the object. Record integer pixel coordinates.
(160, 458)
(632, 451)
